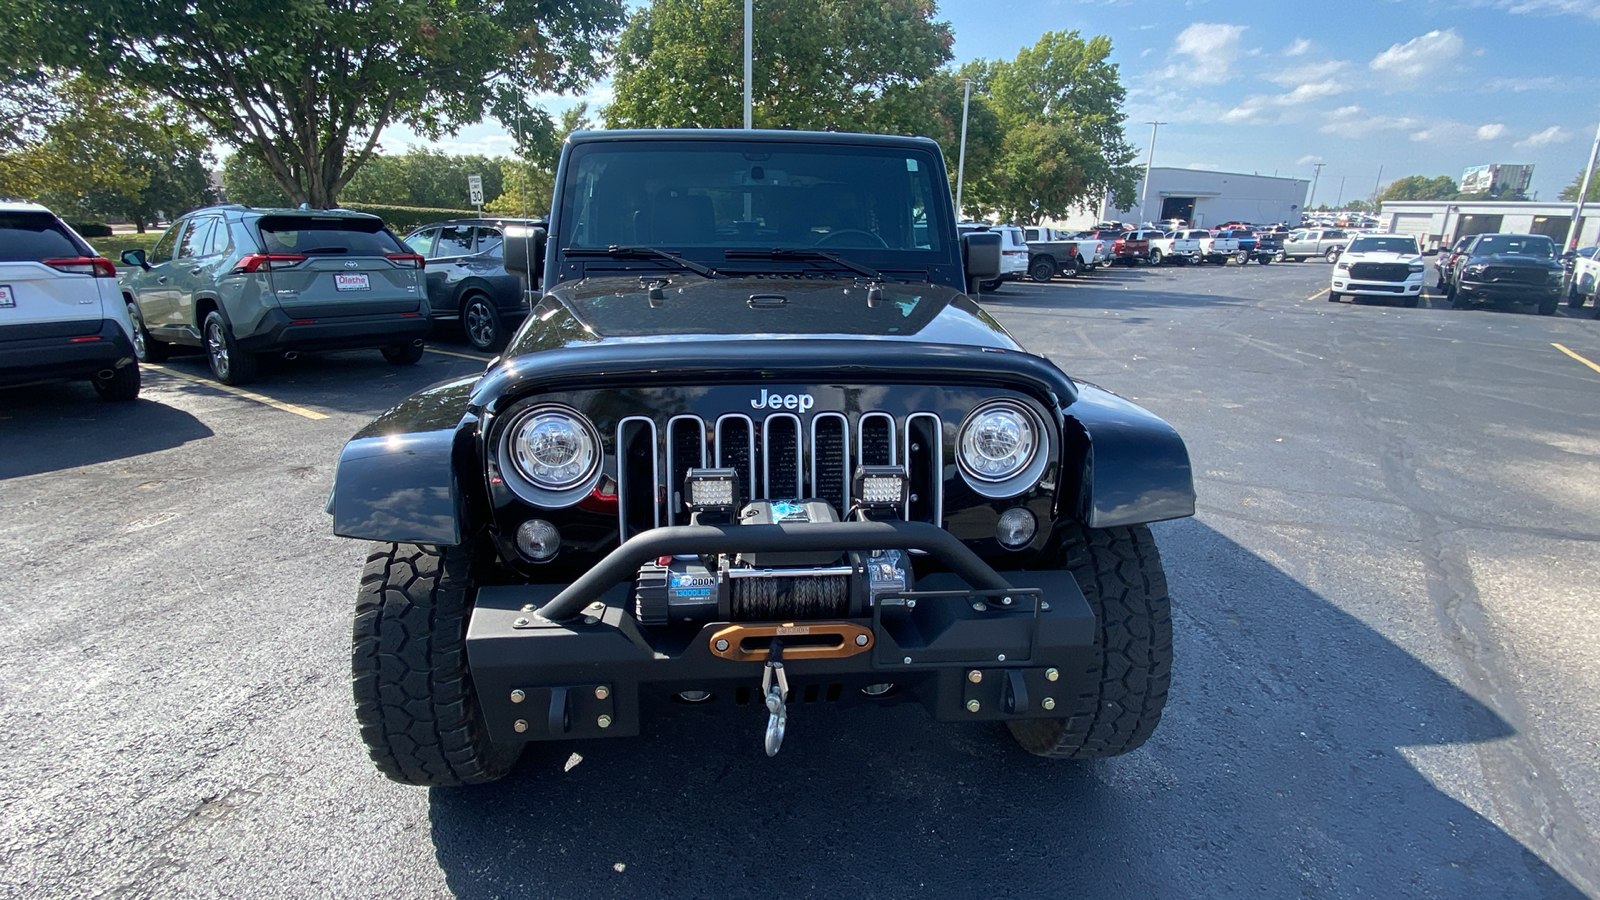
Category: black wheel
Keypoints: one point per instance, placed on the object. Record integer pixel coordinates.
(147, 348)
(1042, 269)
(481, 323)
(1412, 301)
(1458, 300)
(1596, 312)
(415, 703)
(1120, 573)
(122, 385)
(228, 363)
(1264, 259)
(1547, 306)
(403, 354)
(1298, 258)
(1333, 296)
(1332, 256)
(1156, 258)
(990, 287)
(1574, 299)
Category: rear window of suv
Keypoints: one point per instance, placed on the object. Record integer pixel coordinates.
(30, 237)
(309, 236)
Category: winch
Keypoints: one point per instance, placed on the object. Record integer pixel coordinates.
(769, 586)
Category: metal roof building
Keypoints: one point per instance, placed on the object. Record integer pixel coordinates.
(1206, 199)
(1442, 222)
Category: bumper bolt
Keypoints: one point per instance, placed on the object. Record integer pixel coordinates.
(908, 660)
(527, 607)
(589, 620)
(974, 676)
(1005, 601)
(520, 622)
(602, 692)
(861, 640)
(1051, 674)
(603, 721)
(973, 706)
(1048, 703)
(1044, 606)
(518, 696)
(1000, 658)
(722, 644)
(519, 726)
(980, 606)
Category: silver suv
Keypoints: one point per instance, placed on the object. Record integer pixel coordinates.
(60, 316)
(237, 282)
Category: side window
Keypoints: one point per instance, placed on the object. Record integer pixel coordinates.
(1334, 234)
(488, 239)
(454, 240)
(196, 239)
(422, 242)
(162, 250)
(221, 239)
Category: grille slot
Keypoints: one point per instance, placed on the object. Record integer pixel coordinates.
(830, 460)
(638, 484)
(876, 446)
(736, 449)
(1381, 271)
(1514, 275)
(780, 457)
(686, 449)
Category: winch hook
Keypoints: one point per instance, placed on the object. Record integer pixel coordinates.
(775, 685)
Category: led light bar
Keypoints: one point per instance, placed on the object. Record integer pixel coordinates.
(880, 487)
(711, 489)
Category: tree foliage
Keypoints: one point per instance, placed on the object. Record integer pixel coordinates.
(308, 86)
(1421, 187)
(821, 65)
(1570, 192)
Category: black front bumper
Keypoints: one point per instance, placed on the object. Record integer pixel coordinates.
(279, 332)
(1021, 646)
(65, 351)
(1513, 291)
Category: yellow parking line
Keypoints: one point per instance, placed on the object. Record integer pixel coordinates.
(1577, 357)
(237, 392)
(482, 359)
(1317, 294)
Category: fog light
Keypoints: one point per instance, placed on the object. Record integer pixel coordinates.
(880, 487)
(1016, 528)
(711, 489)
(538, 540)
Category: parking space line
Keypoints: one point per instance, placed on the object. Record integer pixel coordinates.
(1317, 294)
(1576, 357)
(482, 359)
(238, 392)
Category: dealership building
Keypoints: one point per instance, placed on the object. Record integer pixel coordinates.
(1442, 222)
(1206, 199)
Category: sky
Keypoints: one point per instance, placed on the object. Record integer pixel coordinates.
(1369, 88)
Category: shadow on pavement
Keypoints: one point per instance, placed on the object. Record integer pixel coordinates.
(1276, 772)
(62, 426)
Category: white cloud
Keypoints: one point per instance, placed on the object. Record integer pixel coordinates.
(1308, 159)
(1300, 74)
(1300, 47)
(1550, 7)
(1491, 131)
(1312, 91)
(1555, 134)
(1420, 55)
(1355, 122)
(1518, 85)
(1211, 44)
(1253, 108)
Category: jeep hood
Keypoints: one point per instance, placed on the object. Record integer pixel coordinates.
(619, 310)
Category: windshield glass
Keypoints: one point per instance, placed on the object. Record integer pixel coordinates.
(1387, 244)
(1520, 244)
(34, 236)
(332, 236)
(682, 195)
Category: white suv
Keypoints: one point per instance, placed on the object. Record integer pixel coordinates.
(61, 315)
(1013, 252)
(1379, 265)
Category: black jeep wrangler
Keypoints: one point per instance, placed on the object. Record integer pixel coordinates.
(756, 446)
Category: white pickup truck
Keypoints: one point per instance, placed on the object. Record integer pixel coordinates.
(1175, 246)
(1213, 248)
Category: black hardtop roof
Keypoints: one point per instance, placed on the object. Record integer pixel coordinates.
(756, 134)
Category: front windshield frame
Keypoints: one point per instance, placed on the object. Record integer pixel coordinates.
(923, 228)
(1372, 243)
(1533, 246)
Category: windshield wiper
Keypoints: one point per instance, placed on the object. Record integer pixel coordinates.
(616, 252)
(781, 253)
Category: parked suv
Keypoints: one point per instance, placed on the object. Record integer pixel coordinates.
(1517, 267)
(467, 277)
(238, 282)
(1013, 252)
(61, 318)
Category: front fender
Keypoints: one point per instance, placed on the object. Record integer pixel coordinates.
(1134, 467)
(397, 478)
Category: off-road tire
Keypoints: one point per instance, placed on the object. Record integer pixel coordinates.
(122, 385)
(1042, 269)
(1119, 571)
(402, 354)
(414, 698)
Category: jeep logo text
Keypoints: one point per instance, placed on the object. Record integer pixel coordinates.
(802, 402)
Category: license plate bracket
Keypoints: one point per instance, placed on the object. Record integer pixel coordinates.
(8, 297)
(352, 281)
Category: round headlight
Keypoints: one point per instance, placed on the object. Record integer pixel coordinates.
(997, 442)
(554, 449)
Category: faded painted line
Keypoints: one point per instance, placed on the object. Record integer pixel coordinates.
(1317, 294)
(238, 392)
(482, 359)
(1576, 357)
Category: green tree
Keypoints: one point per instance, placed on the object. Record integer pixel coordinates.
(1570, 192)
(310, 85)
(1059, 105)
(1421, 187)
(245, 179)
(423, 177)
(818, 64)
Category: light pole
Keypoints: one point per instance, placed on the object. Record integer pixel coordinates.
(1583, 196)
(748, 15)
(1149, 160)
(1314, 176)
(961, 163)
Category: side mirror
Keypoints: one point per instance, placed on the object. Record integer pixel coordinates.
(1569, 256)
(134, 258)
(980, 256)
(524, 251)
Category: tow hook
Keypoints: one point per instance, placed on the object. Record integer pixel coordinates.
(775, 685)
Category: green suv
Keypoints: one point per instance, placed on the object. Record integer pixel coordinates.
(237, 282)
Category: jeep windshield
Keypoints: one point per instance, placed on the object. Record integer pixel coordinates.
(854, 208)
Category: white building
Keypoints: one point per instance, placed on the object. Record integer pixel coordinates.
(1206, 199)
(1438, 222)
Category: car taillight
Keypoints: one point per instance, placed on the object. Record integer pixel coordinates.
(94, 266)
(266, 262)
(406, 260)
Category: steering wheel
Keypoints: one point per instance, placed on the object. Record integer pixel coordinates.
(874, 239)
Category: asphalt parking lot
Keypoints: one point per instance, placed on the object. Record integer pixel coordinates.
(1387, 682)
